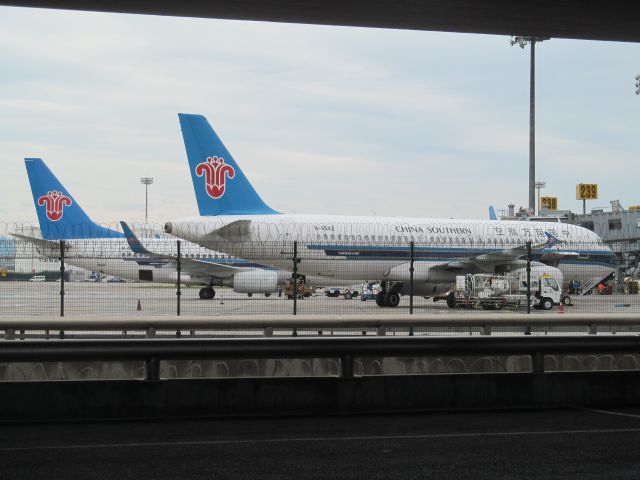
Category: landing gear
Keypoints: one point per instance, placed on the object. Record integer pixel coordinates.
(388, 298)
(207, 293)
(392, 299)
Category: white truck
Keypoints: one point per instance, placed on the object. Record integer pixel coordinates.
(501, 291)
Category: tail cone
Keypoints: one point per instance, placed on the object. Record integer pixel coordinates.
(139, 307)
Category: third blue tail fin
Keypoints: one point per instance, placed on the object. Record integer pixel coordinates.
(220, 185)
(60, 216)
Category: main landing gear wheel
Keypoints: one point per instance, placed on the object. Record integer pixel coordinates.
(387, 299)
(207, 293)
(392, 299)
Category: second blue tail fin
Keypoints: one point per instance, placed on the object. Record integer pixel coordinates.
(60, 216)
(220, 185)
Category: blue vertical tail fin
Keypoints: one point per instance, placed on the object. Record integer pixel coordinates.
(220, 185)
(60, 216)
(492, 213)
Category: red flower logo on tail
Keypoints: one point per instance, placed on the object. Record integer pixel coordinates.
(215, 173)
(54, 202)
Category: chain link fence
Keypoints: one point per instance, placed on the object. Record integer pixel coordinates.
(354, 269)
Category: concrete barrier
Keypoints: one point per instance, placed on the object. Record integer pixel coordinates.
(74, 400)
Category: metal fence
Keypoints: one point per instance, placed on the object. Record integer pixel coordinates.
(161, 275)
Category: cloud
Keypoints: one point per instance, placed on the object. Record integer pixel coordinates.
(322, 119)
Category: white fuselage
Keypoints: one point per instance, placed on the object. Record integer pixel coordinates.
(378, 248)
(113, 256)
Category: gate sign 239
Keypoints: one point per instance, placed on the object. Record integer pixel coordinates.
(586, 191)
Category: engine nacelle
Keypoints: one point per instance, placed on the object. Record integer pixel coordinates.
(255, 281)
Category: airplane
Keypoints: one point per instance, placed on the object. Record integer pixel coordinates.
(101, 249)
(234, 219)
(244, 276)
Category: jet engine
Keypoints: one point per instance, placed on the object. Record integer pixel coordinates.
(255, 281)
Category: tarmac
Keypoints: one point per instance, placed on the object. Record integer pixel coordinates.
(139, 299)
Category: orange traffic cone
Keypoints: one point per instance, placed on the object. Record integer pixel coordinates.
(139, 307)
(221, 300)
(561, 308)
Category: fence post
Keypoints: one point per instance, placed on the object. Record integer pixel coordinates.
(178, 292)
(412, 246)
(62, 278)
(529, 277)
(295, 277)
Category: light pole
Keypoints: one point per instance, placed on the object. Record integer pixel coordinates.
(540, 186)
(522, 41)
(146, 181)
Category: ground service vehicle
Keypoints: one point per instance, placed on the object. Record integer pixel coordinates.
(346, 292)
(302, 290)
(501, 291)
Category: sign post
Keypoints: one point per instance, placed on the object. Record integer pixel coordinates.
(584, 192)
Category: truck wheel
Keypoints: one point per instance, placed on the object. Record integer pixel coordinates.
(451, 300)
(566, 300)
(546, 303)
(347, 296)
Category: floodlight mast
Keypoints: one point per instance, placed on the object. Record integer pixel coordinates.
(522, 41)
(146, 181)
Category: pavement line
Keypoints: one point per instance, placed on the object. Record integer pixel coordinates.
(317, 439)
(608, 412)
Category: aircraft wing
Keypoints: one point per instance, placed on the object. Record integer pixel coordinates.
(202, 268)
(509, 255)
(44, 247)
(195, 267)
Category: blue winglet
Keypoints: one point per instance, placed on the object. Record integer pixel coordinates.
(134, 243)
(220, 185)
(551, 240)
(60, 216)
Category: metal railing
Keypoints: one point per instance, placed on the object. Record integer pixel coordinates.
(485, 324)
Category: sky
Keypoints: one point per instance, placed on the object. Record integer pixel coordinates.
(333, 120)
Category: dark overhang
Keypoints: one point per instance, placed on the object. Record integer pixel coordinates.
(616, 20)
